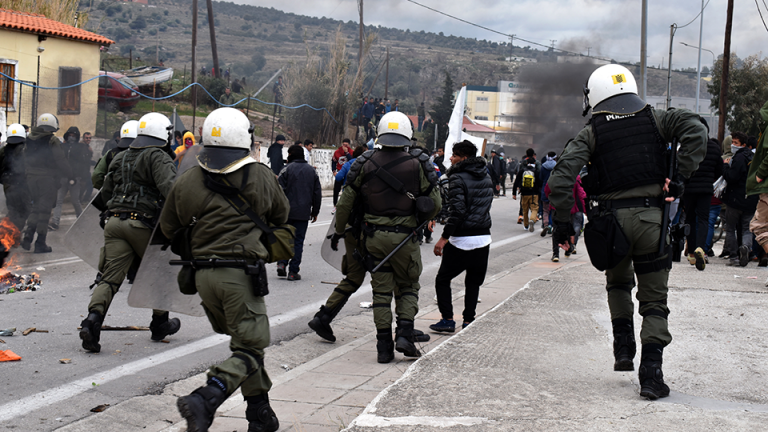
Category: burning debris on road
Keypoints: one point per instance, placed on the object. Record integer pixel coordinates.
(11, 282)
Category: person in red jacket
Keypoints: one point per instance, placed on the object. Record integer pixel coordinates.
(577, 218)
(340, 156)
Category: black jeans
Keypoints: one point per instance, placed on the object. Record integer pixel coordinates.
(294, 265)
(455, 261)
(336, 189)
(696, 208)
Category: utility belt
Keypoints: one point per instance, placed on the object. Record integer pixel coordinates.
(125, 215)
(400, 229)
(647, 202)
(606, 242)
(253, 268)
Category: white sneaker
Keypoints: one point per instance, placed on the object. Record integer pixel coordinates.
(333, 212)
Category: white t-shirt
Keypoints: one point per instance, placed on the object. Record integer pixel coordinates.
(470, 242)
(306, 154)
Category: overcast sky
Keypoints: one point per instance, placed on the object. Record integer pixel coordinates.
(610, 27)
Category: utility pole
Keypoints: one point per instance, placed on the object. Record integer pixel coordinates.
(724, 77)
(360, 45)
(644, 51)
(553, 43)
(217, 72)
(698, 65)
(386, 82)
(512, 45)
(194, 62)
(669, 67)
(589, 50)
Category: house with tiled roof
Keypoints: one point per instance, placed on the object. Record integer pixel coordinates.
(46, 53)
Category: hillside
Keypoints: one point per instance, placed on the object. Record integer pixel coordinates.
(254, 42)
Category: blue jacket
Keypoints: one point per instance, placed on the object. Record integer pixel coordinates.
(546, 170)
(368, 110)
(341, 176)
(302, 187)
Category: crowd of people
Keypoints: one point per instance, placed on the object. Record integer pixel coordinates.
(228, 216)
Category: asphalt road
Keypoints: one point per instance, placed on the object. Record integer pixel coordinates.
(41, 393)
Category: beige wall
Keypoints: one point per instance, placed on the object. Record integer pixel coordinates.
(58, 52)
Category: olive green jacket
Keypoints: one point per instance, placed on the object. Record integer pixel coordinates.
(347, 201)
(152, 168)
(221, 231)
(759, 166)
(682, 124)
(99, 172)
(57, 166)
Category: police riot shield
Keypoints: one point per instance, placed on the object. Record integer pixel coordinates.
(85, 237)
(189, 160)
(331, 256)
(155, 286)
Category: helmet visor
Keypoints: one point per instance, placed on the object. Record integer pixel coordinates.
(219, 159)
(124, 143)
(393, 140)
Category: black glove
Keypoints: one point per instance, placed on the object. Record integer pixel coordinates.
(677, 186)
(335, 240)
(562, 232)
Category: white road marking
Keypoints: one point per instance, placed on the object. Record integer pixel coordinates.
(63, 392)
(372, 420)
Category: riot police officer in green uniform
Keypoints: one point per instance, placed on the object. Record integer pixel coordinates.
(134, 190)
(13, 176)
(624, 146)
(45, 164)
(397, 189)
(233, 291)
(128, 133)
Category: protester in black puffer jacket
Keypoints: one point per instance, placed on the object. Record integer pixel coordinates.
(697, 199)
(466, 239)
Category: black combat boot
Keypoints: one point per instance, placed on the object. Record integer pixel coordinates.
(321, 324)
(199, 407)
(651, 378)
(420, 336)
(26, 240)
(90, 332)
(161, 326)
(404, 339)
(259, 414)
(385, 346)
(42, 248)
(624, 347)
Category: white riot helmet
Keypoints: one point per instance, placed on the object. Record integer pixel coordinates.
(606, 82)
(15, 134)
(128, 133)
(154, 131)
(395, 130)
(226, 141)
(48, 122)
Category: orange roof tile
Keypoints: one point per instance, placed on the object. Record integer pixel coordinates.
(35, 23)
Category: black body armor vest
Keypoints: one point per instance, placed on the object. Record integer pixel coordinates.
(629, 152)
(38, 153)
(13, 165)
(381, 199)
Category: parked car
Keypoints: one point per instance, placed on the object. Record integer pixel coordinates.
(113, 95)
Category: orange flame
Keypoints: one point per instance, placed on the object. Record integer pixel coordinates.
(9, 234)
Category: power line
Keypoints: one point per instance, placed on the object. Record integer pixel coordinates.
(508, 35)
(697, 15)
(761, 13)
(539, 44)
